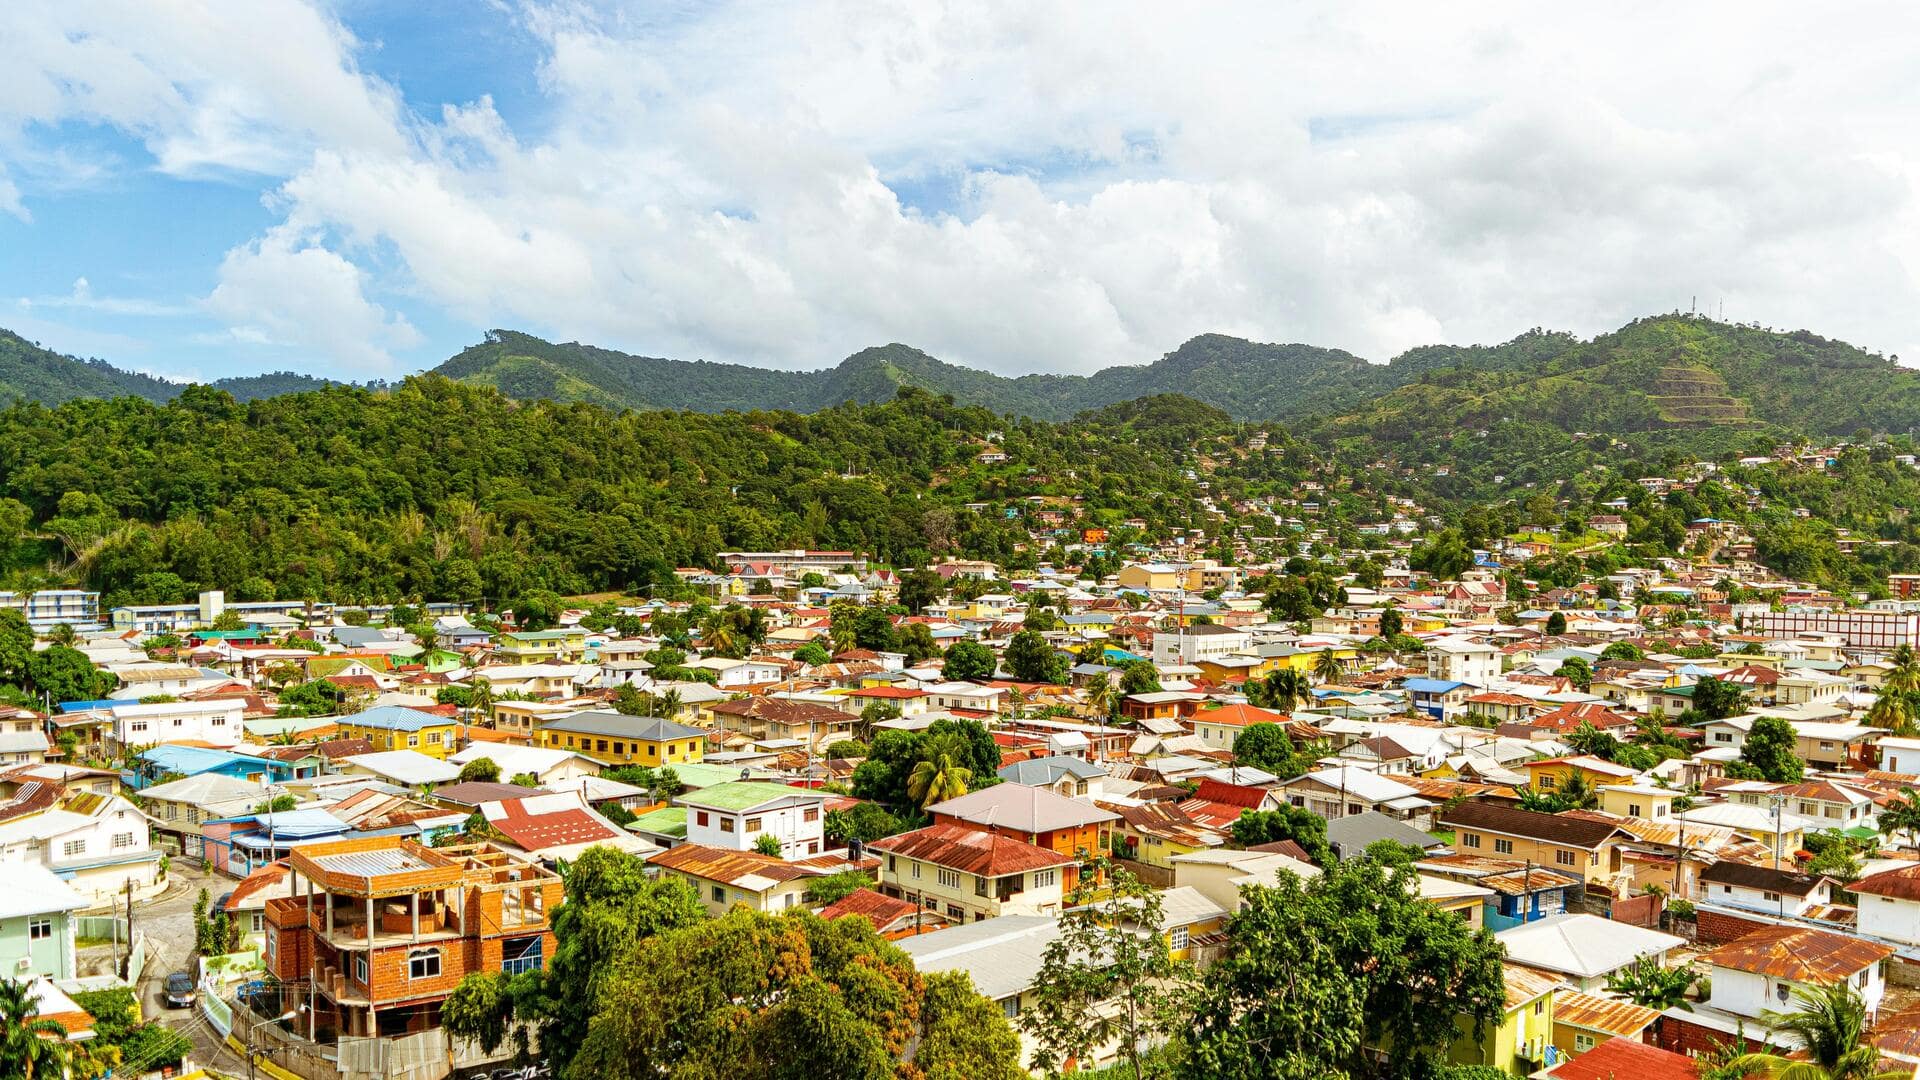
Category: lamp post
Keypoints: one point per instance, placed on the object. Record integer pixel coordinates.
(254, 1051)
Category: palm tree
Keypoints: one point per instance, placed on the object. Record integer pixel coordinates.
(1902, 815)
(1286, 688)
(1578, 792)
(666, 704)
(1892, 710)
(1326, 668)
(1829, 1024)
(483, 696)
(1905, 675)
(1103, 697)
(942, 774)
(29, 1044)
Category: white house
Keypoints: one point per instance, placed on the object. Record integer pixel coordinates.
(1900, 755)
(734, 816)
(964, 695)
(731, 673)
(1192, 644)
(1460, 660)
(1763, 888)
(555, 769)
(216, 723)
(1890, 904)
(1762, 971)
(96, 844)
(1585, 949)
(23, 737)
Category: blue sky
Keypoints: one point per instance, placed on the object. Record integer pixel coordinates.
(360, 188)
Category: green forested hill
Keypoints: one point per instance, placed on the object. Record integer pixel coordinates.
(31, 373)
(1662, 387)
(434, 488)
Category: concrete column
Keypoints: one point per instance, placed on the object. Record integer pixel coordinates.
(415, 897)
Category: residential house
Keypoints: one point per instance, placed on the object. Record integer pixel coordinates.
(734, 816)
(1218, 728)
(1584, 949)
(23, 737)
(36, 924)
(1551, 774)
(969, 874)
(1438, 699)
(724, 877)
(405, 768)
(1767, 889)
(1193, 644)
(1348, 789)
(1580, 846)
(552, 826)
(378, 931)
(1072, 827)
(1620, 1056)
(1638, 800)
(210, 723)
(1889, 904)
(769, 719)
(1002, 956)
(1521, 892)
(1063, 774)
(731, 674)
(98, 844)
(892, 918)
(1761, 971)
(396, 727)
(559, 645)
(1519, 1043)
(550, 768)
(178, 810)
(1583, 1021)
(618, 739)
(1153, 833)
(1220, 874)
(1462, 661)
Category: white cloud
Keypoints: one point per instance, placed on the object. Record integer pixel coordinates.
(286, 290)
(82, 297)
(723, 183)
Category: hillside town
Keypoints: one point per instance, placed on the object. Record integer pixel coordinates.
(1673, 803)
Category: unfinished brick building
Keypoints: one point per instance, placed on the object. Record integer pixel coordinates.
(380, 930)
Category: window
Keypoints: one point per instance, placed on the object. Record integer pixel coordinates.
(137, 726)
(273, 944)
(699, 817)
(423, 964)
(956, 913)
(1011, 1006)
(1582, 1043)
(1540, 1006)
(726, 824)
(122, 840)
(1566, 858)
(811, 813)
(433, 737)
(1177, 940)
(1860, 980)
(719, 894)
(916, 869)
(602, 746)
(1593, 859)
(259, 923)
(1770, 897)
(619, 747)
(1504, 847)
(40, 929)
(753, 824)
(1633, 809)
(360, 968)
(949, 878)
(413, 740)
(73, 847)
(520, 955)
(1044, 878)
(1722, 736)
(1470, 840)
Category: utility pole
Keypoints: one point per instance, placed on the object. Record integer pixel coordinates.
(1778, 801)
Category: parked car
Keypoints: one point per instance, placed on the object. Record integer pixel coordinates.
(180, 990)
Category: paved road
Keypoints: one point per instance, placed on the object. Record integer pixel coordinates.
(167, 922)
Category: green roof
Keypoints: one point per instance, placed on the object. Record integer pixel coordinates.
(699, 775)
(740, 795)
(669, 821)
(545, 635)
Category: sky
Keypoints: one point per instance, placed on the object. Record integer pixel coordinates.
(360, 188)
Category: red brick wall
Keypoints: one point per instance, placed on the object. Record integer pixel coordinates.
(1687, 1037)
(1718, 928)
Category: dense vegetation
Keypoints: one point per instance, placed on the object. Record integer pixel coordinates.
(29, 372)
(437, 489)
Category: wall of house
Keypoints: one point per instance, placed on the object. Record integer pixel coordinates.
(1570, 859)
(1040, 892)
(1766, 902)
(1530, 1026)
(1887, 917)
(798, 828)
(51, 955)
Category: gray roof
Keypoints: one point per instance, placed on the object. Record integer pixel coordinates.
(1003, 954)
(620, 725)
(1038, 772)
(1353, 834)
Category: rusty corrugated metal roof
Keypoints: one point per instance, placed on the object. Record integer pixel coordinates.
(1799, 953)
(1602, 1014)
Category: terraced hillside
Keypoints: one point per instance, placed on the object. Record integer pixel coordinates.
(1690, 394)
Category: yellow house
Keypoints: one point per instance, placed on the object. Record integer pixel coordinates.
(1575, 845)
(540, 646)
(1153, 833)
(1463, 898)
(618, 739)
(1553, 773)
(1158, 577)
(1190, 920)
(395, 727)
(1638, 801)
(1584, 1021)
(1303, 660)
(1518, 1043)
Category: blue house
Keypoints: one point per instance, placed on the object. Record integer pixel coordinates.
(1437, 698)
(170, 760)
